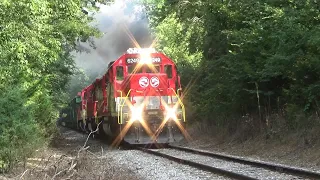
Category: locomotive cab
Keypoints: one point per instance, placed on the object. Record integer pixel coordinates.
(149, 107)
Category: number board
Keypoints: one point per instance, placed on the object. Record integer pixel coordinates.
(137, 60)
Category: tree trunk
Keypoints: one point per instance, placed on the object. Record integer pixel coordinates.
(259, 107)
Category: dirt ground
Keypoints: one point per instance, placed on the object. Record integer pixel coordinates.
(291, 149)
(69, 158)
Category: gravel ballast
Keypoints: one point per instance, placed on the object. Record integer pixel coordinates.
(153, 167)
(248, 170)
(140, 165)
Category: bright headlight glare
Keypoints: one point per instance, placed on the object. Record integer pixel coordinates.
(145, 58)
(136, 114)
(171, 113)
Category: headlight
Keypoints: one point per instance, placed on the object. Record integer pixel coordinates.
(171, 113)
(145, 58)
(136, 114)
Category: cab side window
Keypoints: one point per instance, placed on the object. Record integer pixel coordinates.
(120, 75)
(168, 70)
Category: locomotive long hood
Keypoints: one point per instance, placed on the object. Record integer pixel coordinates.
(146, 83)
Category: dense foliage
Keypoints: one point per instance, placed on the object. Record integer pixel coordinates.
(19, 132)
(243, 57)
(36, 38)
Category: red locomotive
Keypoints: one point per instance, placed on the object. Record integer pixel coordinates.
(137, 100)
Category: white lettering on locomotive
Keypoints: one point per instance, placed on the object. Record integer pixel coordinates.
(137, 60)
(141, 50)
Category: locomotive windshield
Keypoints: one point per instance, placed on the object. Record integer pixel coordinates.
(152, 69)
(134, 69)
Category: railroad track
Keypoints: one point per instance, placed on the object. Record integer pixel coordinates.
(231, 166)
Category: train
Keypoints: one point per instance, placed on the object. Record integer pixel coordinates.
(138, 100)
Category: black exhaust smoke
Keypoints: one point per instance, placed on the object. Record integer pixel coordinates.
(116, 21)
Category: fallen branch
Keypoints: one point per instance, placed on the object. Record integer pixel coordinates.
(75, 162)
(97, 129)
(23, 173)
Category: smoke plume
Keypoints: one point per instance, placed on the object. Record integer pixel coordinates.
(114, 21)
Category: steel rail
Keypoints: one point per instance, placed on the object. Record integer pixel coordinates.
(266, 165)
(223, 172)
(275, 167)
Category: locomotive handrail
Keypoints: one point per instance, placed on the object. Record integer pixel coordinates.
(181, 104)
(119, 109)
(179, 90)
(121, 106)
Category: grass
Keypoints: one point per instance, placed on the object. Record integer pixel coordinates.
(278, 142)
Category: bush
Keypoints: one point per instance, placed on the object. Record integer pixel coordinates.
(296, 117)
(20, 135)
(45, 114)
